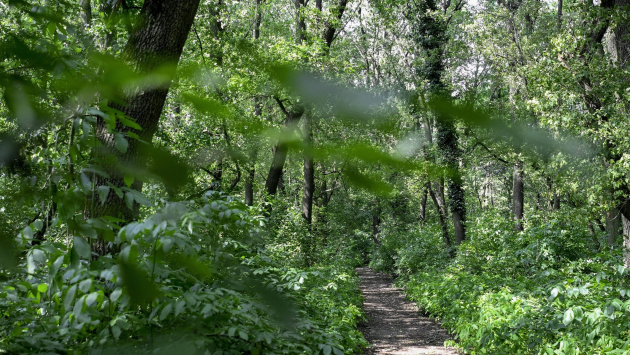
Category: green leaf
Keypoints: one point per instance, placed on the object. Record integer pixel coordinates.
(116, 332)
(67, 301)
(115, 295)
(243, 335)
(128, 122)
(179, 307)
(42, 288)
(568, 317)
(85, 285)
(86, 184)
(121, 143)
(140, 288)
(91, 298)
(554, 294)
(129, 180)
(166, 311)
(55, 266)
(231, 331)
(103, 192)
(82, 247)
(27, 233)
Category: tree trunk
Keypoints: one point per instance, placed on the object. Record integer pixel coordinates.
(249, 187)
(448, 144)
(258, 20)
(423, 204)
(442, 218)
(613, 225)
(376, 222)
(86, 11)
(626, 240)
(430, 32)
(518, 195)
(300, 23)
(281, 149)
(309, 174)
(556, 202)
(330, 28)
(158, 39)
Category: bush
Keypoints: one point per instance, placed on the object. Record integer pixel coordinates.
(529, 292)
(188, 279)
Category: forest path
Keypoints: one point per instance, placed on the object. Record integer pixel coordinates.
(394, 325)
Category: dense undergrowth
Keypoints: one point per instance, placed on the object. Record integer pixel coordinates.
(189, 279)
(549, 289)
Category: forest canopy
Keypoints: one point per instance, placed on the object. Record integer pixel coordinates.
(204, 176)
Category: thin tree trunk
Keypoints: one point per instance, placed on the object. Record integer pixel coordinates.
(559, 15)
(249, 187)
(626, 240)
(518, 194)
(376, 222)
(258, 20)
(423, 204)
(309, 174)
(442, 218)
(300, 23)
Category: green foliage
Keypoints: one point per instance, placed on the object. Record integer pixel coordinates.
(199, 275)
(510, 292)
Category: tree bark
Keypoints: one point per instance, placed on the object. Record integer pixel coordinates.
(376, 222)
(556, 202)
(309, 174)
(423, 204)
(518, 195)
(330, 28)
(249, 187)
(442, 218)
(613, 225)
(300, 23)
(158, 39)
(86, 11)
(626, 240)
(281, 149)
(430, 33)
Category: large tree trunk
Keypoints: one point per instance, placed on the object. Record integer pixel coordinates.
(430, 34)
(157, 40)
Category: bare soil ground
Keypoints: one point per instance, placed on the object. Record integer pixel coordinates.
(394, 324)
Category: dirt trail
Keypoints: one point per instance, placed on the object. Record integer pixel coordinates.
(394, 325)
